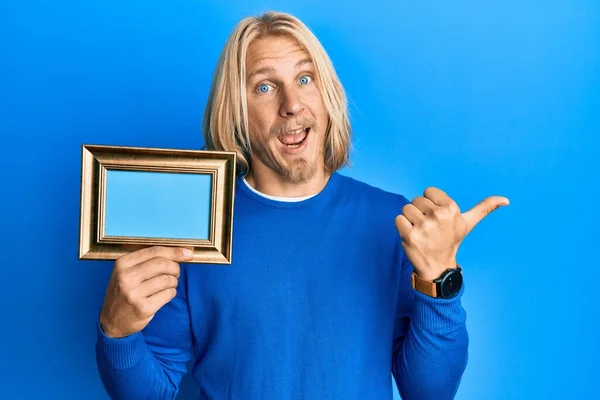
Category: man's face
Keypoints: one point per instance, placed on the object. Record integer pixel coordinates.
(286, 115)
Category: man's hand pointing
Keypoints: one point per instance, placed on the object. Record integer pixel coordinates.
(432, 227)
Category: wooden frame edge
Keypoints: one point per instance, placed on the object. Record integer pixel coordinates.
(95, 157)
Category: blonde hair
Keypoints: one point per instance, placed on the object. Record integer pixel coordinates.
(225, 122)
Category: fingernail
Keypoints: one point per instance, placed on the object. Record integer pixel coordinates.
(187, 253)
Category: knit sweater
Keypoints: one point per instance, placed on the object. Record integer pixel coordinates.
(316, 304)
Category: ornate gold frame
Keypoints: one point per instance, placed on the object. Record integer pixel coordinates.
(97, 159)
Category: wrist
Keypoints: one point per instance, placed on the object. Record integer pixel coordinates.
(446, 285)
(426, 276)
(109, 329)
(431, 274)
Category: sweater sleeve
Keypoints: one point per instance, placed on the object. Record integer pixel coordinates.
(149, 364)
(430, 342)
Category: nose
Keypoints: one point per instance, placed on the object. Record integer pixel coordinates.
(291, 103)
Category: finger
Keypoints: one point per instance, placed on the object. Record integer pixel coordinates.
(424, 205)
(412, 214)
(154, 267)
(483, 209)
(437, 196)
(403, 226)
(139, 256)
(157, 284)
(156, 301)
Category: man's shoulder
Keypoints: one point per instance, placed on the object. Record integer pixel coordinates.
(366, 190)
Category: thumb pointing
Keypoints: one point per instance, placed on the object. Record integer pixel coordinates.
(483, 209)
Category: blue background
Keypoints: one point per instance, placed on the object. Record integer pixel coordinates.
(157, 204)
(474, 97)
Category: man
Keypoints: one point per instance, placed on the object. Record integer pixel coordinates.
(331, 285)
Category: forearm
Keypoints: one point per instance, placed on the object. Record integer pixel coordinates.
(129, 369)
(432, 359)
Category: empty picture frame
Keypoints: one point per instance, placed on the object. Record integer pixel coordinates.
(136, 197)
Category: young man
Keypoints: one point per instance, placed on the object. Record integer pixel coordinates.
(331, 285)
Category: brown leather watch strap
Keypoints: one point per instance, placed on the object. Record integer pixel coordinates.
(426, 287)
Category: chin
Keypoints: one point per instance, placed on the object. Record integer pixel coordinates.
(299, 172)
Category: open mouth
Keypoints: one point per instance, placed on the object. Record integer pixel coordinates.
(294, 138)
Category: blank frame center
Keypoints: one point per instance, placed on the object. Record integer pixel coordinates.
(150, 204)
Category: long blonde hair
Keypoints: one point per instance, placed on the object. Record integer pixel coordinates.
(225, 123)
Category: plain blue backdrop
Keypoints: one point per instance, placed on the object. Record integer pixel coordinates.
(475, 97)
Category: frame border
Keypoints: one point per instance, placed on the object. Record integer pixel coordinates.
(96, 160)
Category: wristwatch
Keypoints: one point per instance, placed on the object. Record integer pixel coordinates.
(445, 287)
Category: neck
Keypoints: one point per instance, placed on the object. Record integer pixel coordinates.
(272, 184)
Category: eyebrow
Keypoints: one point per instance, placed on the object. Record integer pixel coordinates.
(266, 70)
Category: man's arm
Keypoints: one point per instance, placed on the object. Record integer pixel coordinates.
(149, 364)
(430, 350)
(430, 343)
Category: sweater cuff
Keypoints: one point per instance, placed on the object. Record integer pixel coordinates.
(437, 313)
(120, 353)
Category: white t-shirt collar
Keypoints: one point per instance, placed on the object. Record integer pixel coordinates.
(277, 198)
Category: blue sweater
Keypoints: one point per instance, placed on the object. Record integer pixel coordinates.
(317, 304)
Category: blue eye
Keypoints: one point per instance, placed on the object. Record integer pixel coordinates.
(305, 79)
(263, 88)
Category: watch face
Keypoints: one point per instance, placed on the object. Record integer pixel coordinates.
(451, 284)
